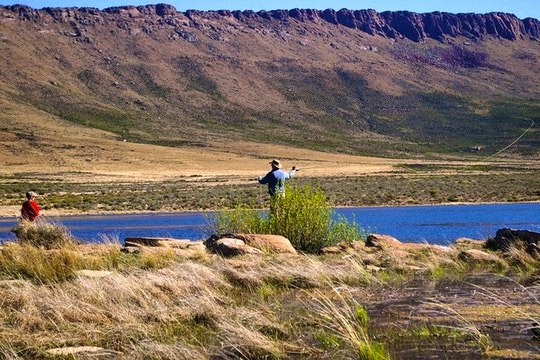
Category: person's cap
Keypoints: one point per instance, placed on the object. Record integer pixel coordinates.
(276, 163)
(30, 194)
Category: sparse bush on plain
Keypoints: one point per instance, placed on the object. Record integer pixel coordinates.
(409, 184)
(301, 214)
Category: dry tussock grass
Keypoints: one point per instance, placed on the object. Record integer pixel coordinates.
(145, 310)
(43, 234)
(246, 307)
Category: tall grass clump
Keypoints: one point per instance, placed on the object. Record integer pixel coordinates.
(344, 323)
(42, 234)
(301, 214)
(465, 326)
(37, 264)
(44, 252)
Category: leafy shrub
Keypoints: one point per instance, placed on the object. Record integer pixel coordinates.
(301, 214)
(240, 220)
(42, 234)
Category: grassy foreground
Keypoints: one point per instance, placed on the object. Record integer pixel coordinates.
(405, 301)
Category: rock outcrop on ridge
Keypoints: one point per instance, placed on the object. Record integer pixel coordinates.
(391, 24)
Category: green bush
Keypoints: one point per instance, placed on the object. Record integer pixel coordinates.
(240, 220)
(301, 214)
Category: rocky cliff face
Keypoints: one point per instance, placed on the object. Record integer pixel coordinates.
(401, 24)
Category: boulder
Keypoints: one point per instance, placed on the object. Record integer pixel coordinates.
(382, 241)
(402, 250)
(388, 242)
(507, 238)
(342, 247)
(271, 243)
(358, 245)
(262, 242)
(181, 247)
(331, 250)
(468, 243)
(229, 246)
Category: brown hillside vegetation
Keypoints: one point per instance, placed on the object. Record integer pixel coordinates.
(54, 146)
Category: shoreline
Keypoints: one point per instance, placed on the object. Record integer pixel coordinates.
(75, 213)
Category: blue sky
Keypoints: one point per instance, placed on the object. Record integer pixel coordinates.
(521, 8)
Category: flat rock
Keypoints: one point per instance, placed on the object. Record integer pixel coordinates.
(266, 242)
(158, 242)
(93, 352)
(93, 273)
(231, 247)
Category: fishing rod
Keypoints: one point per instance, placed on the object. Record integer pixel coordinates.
(512, 143)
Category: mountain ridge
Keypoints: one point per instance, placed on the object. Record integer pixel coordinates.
(392, 24)
(393, 84)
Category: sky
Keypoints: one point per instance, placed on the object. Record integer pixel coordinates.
(521, 8)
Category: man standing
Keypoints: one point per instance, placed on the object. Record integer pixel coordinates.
(276, 177)
(30, 209)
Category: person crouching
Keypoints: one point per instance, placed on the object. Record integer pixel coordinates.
(30, 209)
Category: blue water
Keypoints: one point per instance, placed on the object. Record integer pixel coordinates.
(441, 224)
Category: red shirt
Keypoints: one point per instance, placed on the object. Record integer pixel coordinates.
(29, 210)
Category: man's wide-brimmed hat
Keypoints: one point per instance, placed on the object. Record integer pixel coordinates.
(275, 163)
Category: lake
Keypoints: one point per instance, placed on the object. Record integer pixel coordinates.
(434, 224)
